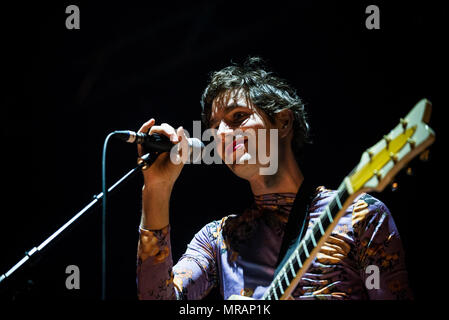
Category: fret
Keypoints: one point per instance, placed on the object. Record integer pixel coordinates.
(308, 244)
(337, 200)
(298, 258)
(305, 249)
(295, 263)
(302, 254)
(320, 225)
(278, 292)
(268, 295)
(343, 193)
(286, 277)
(291, 268)
(280, 287)
(329, 214)
(312, 237)
(317, 232)
(275, 295)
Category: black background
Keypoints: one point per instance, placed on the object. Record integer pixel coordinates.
(64, 90)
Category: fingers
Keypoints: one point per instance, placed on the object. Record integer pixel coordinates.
(181, 134)
(343, 245)
(163, 129)
(179, 155)
(175, 135)
(147, 125)
(184, 144)
(166, 130)
(144, 128)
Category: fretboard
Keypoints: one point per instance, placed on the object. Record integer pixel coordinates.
(301, 254)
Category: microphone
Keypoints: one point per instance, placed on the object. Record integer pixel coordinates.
(156, 142)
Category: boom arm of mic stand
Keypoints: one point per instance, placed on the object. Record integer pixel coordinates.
(143, 161)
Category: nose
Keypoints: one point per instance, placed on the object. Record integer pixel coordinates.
(223, 136)
(223, 129)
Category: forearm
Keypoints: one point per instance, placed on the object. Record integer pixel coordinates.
(155, 206)
(154, 265)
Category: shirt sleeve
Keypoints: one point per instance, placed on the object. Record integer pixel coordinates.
(191, 278)
(195, 274)
(380, 253)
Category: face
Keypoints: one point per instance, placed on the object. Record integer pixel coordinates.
(238, 138)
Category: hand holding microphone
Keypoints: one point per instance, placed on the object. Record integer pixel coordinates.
(160, 177)
(161, 138)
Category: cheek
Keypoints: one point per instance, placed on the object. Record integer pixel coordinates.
(263, 142)
(255, 121)
(262, 134)
(220, 145)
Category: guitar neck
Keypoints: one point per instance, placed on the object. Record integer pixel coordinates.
(377, 167)
(299, 257)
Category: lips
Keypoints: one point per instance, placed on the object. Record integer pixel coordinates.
(236, 144)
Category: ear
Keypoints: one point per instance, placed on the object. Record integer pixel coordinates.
(284, 121)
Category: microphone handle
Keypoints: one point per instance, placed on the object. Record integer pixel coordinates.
(159, 143)
(155, 142)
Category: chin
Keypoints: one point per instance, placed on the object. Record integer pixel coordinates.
(244, 170)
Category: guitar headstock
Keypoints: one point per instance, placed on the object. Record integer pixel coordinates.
(380, 163)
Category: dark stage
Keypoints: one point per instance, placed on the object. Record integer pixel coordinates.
(65, 90)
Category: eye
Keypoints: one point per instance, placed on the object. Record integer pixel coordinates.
(239, 115)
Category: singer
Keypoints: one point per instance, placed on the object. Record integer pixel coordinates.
(362, 259)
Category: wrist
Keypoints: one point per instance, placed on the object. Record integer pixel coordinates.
(161, 188)
(158, 185)
(155, 206)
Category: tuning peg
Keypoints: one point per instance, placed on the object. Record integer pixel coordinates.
(377, 174)
(394, 186)
(370, 154)
(404, 123)
(425, 155)
(394, 157)
(387, 140)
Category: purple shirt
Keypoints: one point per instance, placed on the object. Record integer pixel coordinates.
(239, 253)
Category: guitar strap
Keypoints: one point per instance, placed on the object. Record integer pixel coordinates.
(297, 217)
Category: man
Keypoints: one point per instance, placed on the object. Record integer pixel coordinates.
(239, 252)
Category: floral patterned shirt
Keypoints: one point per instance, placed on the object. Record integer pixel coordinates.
(239, 253)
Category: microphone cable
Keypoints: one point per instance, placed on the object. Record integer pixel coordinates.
(103, 217)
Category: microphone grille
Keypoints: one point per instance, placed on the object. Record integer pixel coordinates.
(196, 143)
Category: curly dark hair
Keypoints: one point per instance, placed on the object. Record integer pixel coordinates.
(264, 89)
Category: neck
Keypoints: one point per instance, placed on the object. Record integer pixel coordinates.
(287, 179)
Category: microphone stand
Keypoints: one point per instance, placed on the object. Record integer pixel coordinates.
(144, 161)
